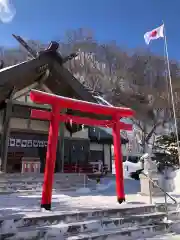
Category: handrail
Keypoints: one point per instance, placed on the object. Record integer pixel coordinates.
(155, 184)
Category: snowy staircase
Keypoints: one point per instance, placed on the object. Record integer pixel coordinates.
(30, 182)
(126, 223)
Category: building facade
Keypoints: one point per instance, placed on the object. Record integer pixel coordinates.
(28, 139)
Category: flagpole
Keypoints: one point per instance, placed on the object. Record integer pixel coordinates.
(171, 91)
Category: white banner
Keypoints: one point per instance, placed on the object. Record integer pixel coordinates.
(24, 143)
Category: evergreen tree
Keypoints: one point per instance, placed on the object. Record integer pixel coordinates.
(166, 152)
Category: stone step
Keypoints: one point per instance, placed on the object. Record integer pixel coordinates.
(173, 233)
(173, 211)
(16, 182)
(95, 224)
(125, 234)
(126, 215)
(79, 185)
(34, 189)
(57, 176)
(168, 236)
(100, 224)
(31, 191)
(161, 207)
(174, 215)
(62, 186)
(49, 218)
(41, 182)
(120, 223)
(41, 179)
(50, 232)
(175, 226)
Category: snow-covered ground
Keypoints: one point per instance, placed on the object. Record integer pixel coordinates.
(24, 205)
(103, 197)
(165, 237)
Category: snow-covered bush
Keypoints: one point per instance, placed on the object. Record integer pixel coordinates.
(165, 152)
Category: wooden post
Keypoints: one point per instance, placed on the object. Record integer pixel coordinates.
(118, 162)
(61, 144)
(5, 135)
(50, 159)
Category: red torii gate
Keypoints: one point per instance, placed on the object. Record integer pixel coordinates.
(55, 117)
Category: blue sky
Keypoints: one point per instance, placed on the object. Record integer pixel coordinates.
(124, 21)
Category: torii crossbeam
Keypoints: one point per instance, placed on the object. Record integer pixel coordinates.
(55, 117)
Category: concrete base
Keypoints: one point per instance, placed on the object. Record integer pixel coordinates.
(147, 187)
(167, 184)
(177, 182)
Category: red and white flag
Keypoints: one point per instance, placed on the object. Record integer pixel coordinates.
(154, 34)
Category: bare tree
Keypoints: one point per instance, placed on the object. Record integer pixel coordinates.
(149, 93)
(132, 79)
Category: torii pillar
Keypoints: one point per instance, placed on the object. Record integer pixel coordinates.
(58, 103)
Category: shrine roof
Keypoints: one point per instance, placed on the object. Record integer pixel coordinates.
(59, 80)
(47, 68)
